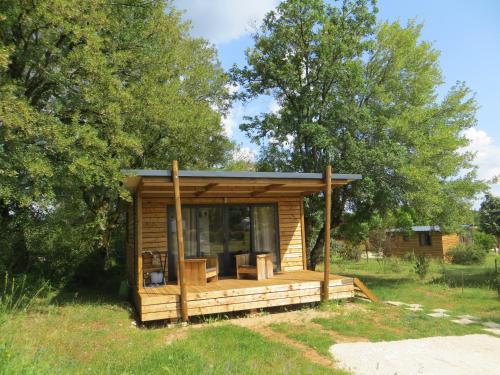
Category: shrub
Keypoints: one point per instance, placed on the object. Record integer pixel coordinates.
(421, 265)
(349, 252)
(409, 256)
(18, 294)
(484, 241)
(392, 263)
(466, 254)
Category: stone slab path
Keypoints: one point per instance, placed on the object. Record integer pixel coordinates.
(452, 355)
(464, 321)
(438, 315)
(490, 327)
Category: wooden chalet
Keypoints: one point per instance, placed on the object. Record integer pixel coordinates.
(243, 243)
(424, 239)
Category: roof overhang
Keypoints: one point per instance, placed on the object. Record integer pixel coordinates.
(158, 183)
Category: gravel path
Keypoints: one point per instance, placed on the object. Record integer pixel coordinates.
(457, 355)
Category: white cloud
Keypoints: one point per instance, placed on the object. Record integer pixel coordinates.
(221, 21)
(229, 125)
(487, 155)
(231, 121)
(274, 106)
(233, 88)
(245, 153)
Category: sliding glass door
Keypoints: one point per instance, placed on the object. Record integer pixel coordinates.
(224, 231)
(211, 232)
(190, 238)
(238, 235)
(265, 231)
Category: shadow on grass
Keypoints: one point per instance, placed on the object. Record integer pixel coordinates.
(471, 277)
(380, 281)
(89, 287)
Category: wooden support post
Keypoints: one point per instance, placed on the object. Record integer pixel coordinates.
(328, 219)
(180, 240)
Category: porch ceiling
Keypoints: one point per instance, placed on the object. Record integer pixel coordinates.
(230, 184)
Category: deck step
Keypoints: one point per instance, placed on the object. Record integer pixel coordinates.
(363, 291)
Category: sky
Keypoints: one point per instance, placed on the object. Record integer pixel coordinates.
(466, 32)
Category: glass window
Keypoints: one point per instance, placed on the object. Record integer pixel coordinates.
(189, 227)
(264, 230)
(239, 229)
(190, 242)
(211, 227)
(425, 239)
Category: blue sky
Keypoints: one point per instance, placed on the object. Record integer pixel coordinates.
(467, 34)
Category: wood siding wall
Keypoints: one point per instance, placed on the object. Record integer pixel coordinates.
(450, 241)
(154, 225)
(290, 229)
(397, 246)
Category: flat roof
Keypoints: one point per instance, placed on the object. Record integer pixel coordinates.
(230, 174)
(158, 183)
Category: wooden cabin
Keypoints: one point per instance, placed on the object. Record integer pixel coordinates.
(427, 239)
(243, 242)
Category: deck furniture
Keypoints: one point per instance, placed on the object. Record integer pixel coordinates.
(154, 268)
(260, 265)
(198, 271)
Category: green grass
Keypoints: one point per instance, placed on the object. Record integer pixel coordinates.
(86, 338)
(310, 336)
(91, 333)
(226, 349)
(380, 322)
(461, 289)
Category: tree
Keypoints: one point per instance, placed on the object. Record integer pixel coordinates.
(362, 97)
(88, 88)
(489, 217)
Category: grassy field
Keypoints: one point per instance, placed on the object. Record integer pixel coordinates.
(81, 337)
(93, 332)
(460, 289)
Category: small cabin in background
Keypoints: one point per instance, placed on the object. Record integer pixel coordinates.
(425, 239)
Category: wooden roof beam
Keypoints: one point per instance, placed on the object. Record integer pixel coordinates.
(207, 188)
(266, 189)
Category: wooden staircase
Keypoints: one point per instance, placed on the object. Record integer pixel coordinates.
(361, 291)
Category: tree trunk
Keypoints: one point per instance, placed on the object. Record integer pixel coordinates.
(317, 250)
(316, 254)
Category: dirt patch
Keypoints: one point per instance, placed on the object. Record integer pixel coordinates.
(308, 353)
(293, 317)
(258, 322)
(175, 335)
(337, 337)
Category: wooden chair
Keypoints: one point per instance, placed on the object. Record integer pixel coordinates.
(262, 269)
(198, 271)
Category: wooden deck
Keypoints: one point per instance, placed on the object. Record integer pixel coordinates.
(228, 295)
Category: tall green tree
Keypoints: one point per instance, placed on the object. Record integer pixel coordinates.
(362, 97)
(88, 88)
(489, 217)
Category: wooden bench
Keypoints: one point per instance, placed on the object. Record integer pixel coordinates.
(198, 271)
(262, 269)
